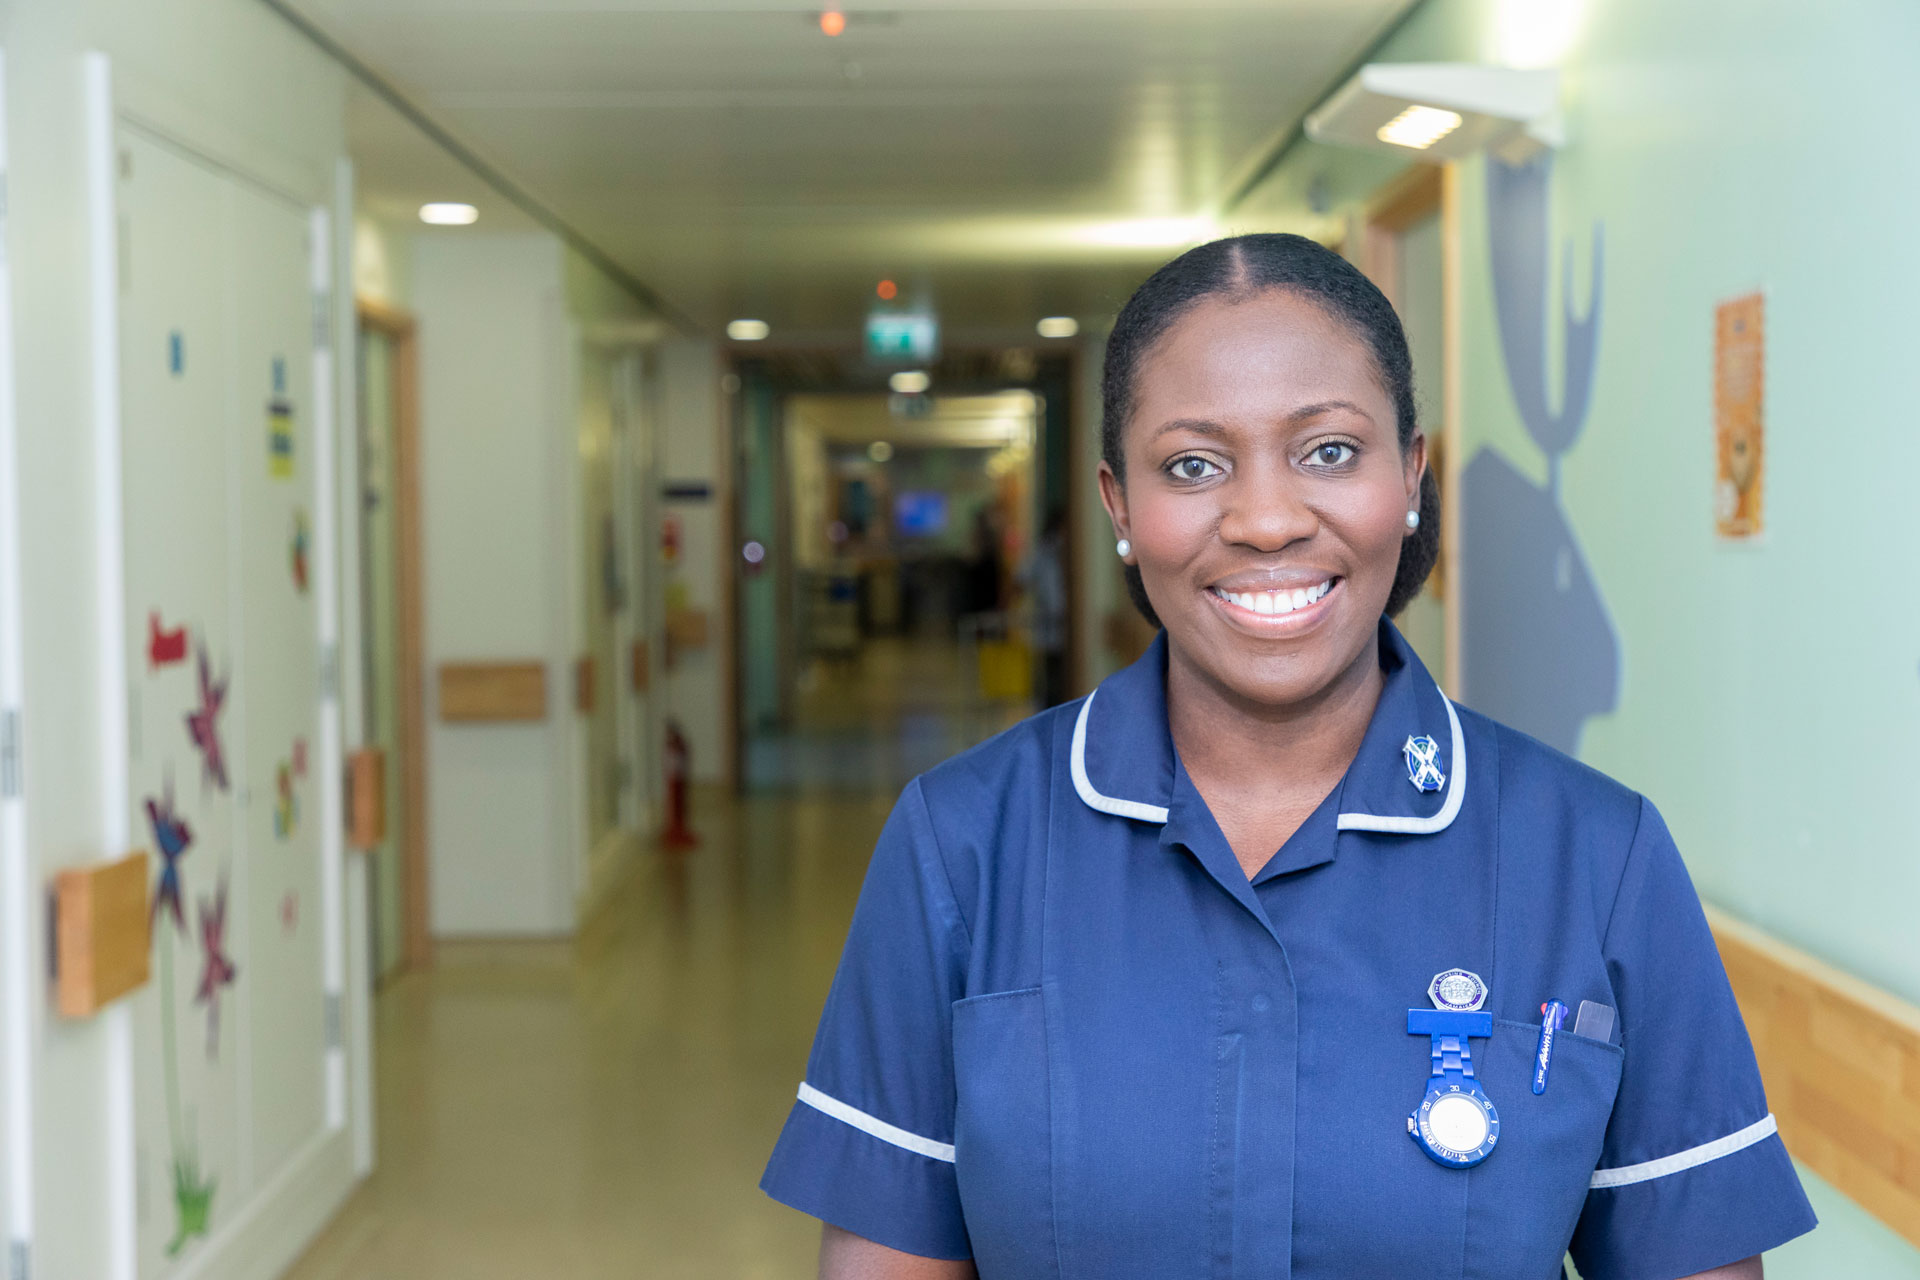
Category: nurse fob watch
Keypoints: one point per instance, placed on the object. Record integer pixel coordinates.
(1455, 1124)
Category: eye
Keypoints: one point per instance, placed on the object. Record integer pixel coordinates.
(1334, 453)
(1193, 467)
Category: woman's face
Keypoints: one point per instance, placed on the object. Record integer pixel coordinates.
(1266, 494)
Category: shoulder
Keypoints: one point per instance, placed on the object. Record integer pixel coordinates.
(988, 811)
(1533, 775)
(1549, 801)
(1013, 766)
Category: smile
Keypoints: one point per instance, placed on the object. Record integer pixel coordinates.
(1274, 603)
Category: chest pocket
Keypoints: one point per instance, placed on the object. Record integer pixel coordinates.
(1523, 1202)
(1002, 1132)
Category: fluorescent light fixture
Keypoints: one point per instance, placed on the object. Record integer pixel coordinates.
(1443, 110)
(1418, 127)
(1536, 33)
(1149, 233)
(449, 213)
(880, 451)
(748, 330)
(1057, 327)
(910, 382)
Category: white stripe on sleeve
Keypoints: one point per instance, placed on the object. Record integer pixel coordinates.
(1680, 1161)
(873, 1125)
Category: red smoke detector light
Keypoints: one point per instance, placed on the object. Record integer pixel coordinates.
(833, 22)
(887, 290)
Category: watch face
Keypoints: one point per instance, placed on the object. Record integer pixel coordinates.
(1457, 1122)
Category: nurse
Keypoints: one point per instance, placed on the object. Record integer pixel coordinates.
(1265, 959)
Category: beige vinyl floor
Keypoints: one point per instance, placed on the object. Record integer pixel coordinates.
(602, 1107)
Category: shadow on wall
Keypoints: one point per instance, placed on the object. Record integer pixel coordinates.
(1539, 650)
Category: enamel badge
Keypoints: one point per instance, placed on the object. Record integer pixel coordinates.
(1459, 990)
(1423, 763)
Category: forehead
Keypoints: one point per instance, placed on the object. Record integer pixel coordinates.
(1256, 358)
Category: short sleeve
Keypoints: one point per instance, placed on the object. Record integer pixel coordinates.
(868, 1146)
(1693, 1175)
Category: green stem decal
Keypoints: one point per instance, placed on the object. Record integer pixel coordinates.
(192, 1192)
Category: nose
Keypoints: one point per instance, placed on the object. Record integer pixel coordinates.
(1262, 511)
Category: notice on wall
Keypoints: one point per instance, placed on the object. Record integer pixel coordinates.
(1739, 397)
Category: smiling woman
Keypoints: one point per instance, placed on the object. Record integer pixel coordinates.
(1140, 988)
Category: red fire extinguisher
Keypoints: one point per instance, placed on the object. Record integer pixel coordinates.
(677, 834)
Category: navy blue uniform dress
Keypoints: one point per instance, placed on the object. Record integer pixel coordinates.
(1069, 1038)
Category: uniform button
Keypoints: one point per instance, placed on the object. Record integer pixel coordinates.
(1261, 1004)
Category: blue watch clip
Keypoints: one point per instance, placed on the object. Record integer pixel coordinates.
(1456, 1123)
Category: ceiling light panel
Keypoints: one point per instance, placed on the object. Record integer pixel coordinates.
(448, 213)
(1419, 127)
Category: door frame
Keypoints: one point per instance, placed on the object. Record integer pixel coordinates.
(399, 328)
(1423, 191)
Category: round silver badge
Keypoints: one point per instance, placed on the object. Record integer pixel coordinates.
(1458, 990)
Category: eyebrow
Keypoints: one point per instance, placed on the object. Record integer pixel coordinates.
(1208, 427)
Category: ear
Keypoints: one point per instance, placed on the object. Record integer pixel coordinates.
(1113, 496)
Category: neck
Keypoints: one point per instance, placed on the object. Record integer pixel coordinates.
(1232, 741)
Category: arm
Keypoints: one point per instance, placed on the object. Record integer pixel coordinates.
(1747, 1270)
(845, 1256)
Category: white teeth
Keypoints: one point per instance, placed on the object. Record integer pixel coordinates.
(1270, 603)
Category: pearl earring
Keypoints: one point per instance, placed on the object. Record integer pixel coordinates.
(1123, 548)
(1413, 519)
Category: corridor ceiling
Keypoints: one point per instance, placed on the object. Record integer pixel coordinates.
(1000, 161)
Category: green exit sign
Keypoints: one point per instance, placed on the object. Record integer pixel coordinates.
(902, 336)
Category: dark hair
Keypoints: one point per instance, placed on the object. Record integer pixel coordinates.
(1239, 268)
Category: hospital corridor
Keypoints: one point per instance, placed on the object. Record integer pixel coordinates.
(862, 639)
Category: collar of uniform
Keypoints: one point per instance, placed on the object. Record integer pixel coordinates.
(1123, 758)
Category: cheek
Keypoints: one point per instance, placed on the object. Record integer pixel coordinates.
(1169, 526)
(1372, 521)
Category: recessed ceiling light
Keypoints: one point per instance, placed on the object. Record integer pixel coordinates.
(748, 330)
(1058, 327)
(879, 451)
(449, 213)
(1419, 127)
(910, 382)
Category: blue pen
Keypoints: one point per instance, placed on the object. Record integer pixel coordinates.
(1552, 1015)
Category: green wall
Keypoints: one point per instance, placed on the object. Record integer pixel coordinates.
(1769, 692)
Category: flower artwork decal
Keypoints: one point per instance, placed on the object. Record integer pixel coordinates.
(173, 837)
(217, 967)
(203, 724)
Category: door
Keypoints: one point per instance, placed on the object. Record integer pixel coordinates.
(221, 518)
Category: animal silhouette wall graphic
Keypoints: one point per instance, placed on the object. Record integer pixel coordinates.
(1538, 648)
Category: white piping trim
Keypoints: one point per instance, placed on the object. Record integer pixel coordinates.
(1456, 792)
(1081, 783)
(871, 1125)
(1681, 1161)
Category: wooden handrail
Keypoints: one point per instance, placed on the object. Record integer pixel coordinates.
(1841, 1061)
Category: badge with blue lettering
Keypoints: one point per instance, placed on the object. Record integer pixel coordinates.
(1423, 763)
(1455, 1124)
